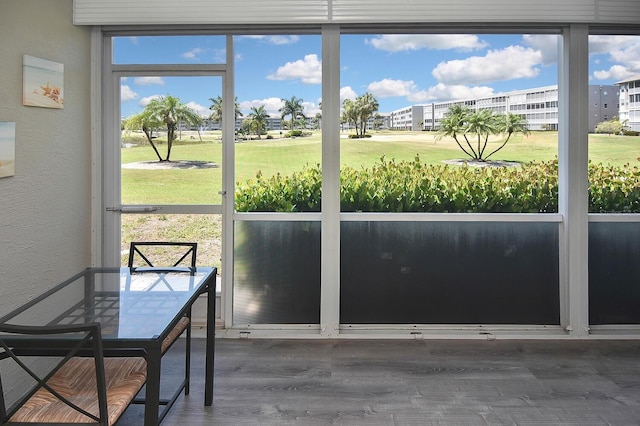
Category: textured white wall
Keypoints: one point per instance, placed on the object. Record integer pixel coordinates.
(45, 207)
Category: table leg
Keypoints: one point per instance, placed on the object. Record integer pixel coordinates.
(211, 341)
(152, 392)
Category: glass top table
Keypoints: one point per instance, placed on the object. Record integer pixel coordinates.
(136, 307)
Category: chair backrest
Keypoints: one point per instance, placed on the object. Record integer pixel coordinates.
(64, 342)
(162, 253)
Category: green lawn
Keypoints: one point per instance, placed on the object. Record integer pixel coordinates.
(284, 156)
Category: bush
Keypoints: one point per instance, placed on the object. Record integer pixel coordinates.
(293, 133)
(614, 189)
(353, 136)
(410, 186)
(631, 133)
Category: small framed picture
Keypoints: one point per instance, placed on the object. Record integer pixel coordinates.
(42, 83)
(7, 148)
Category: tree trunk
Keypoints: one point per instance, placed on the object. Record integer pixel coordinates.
(149, 134)
(170, 136)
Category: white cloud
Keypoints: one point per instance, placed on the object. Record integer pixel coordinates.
(616, 72)
(402, 42)
(275, 39)
(148, 81)
(126, 94)
(145, 101)
(347, 93)
(310, 109)
(387, 88)
(202, 111)
(607, 44)
(193, 53)
(307, 70)
(442, 92)
(547, 44)
(280, 39)
(506, 64)
(623, 51)
(628, 57)
(219, 56)
(271, 105)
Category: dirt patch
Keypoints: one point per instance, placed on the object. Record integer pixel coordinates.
(167, 165)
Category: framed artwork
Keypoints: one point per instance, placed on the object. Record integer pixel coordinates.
(7, 148)
(42, 82)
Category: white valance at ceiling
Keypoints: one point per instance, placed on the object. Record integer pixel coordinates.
(286, 12)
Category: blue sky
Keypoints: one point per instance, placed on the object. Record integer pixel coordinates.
(399, 70)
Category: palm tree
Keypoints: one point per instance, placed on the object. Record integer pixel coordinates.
(216, 108)
(148, 123)
(461, 120)
(258, 117)
(510, 124)
(170, 111)
(453, 124)
(366, 106)
(292, 107)
(350, 113)
(482, 124)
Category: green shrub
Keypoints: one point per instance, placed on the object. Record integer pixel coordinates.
(354, 136)
(614, 189)
(410, 186)
(630, 133)
(293, 133)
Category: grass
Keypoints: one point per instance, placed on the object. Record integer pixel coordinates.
(278, 155)
(271, 156)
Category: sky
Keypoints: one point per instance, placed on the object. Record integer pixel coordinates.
(399, 70)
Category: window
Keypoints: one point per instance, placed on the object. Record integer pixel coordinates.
(417, 102)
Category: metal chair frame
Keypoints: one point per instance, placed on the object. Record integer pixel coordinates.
(18, 342)
(191, 249)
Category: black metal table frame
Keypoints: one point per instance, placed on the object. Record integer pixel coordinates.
(150, 348)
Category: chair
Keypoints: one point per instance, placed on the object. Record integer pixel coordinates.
(168, 254)
(83, 387)
(162, 253)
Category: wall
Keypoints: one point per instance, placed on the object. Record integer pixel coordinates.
(45, 207)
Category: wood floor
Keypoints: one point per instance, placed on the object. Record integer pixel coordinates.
(374, 382)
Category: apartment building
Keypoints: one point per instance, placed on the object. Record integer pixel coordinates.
(538, 105)
(630, 102)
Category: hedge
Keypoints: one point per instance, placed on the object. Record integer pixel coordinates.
(411, 186)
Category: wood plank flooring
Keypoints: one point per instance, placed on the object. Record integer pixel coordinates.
(398, 382)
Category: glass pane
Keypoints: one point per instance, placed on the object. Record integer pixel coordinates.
(279, 87)
(169, 50)
(398, 91)
(614, 123)
(449, 273)
(276, 273)
(206, 230)
(614, 273)
(186, 171)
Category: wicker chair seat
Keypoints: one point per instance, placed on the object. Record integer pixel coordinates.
(76, 381)
(175, 332)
